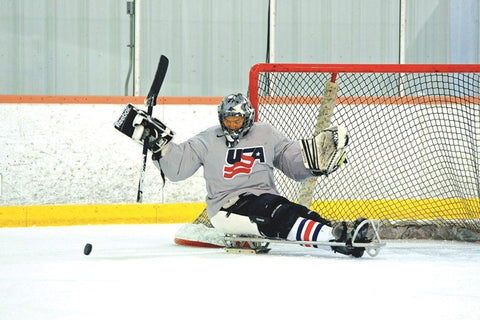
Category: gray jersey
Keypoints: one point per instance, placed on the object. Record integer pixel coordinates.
(228, 172)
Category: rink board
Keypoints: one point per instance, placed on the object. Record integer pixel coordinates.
(64, 215)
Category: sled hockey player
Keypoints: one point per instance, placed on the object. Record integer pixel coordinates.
(239, 157)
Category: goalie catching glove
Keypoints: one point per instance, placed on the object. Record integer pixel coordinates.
(138, 125)
(325, 153)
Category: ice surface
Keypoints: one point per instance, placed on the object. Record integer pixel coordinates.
(71, 154)
(137, 272)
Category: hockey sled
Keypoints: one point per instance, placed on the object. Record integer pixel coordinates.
(252, 244)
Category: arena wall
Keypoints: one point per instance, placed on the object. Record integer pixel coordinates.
(63, 162)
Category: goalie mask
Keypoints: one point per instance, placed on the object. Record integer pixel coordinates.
(235, 105)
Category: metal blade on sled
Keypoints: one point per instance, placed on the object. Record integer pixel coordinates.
(249, 244)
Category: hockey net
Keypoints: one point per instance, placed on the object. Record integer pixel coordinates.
(413, 157)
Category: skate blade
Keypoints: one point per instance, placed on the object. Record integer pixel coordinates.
(372, 248)
(252, 244)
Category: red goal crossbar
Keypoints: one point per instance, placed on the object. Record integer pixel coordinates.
(253, 86)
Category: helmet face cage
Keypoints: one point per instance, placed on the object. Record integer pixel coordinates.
(236, 105)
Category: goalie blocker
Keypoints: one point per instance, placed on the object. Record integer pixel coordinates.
(325, 153)
(138, 125)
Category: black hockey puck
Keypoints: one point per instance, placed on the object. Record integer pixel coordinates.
(87, 249)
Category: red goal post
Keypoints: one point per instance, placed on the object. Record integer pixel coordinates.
(413, 158)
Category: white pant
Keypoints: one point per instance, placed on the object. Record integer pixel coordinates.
(234, 224)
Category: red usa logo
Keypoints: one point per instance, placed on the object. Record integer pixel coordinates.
(241, 161)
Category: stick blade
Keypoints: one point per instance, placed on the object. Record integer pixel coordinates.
(151, 99)
(194, 243)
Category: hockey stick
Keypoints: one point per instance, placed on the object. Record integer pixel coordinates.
(324, 119)
(150, 102)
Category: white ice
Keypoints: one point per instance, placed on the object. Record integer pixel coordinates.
(137, 272)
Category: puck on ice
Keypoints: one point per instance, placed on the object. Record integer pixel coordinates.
(87, 249)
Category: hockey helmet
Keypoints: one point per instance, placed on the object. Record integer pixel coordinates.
(236, 105)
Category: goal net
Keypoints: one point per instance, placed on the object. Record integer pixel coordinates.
(413, 159)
